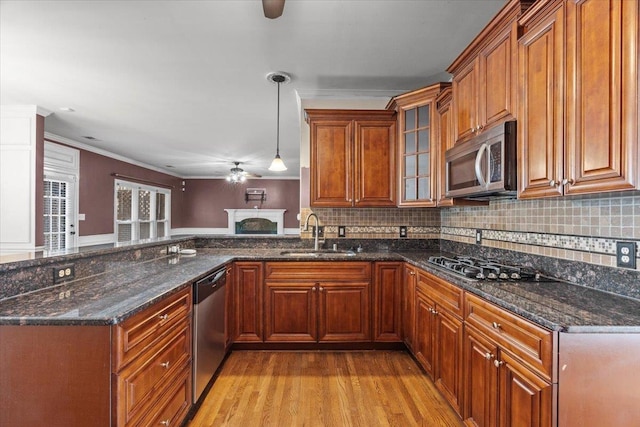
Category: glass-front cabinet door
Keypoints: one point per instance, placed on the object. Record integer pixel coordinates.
(418, 146)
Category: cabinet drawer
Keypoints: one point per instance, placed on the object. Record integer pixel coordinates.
(173, 405)
(141, 383)
(531, 343)
(140, 331)
(445, 294)
(318, 271)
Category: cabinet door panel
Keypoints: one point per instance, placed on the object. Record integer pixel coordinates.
(541, 115)
(496, 94)
(525, 399)
(465, 102)
(480, 380)
(424, 332)
(331, 155)
(448, 375)
(387, 298)
(375, 172)
(344, 312)
(602, 87)
(248, 297)
(291, 312)
(408, 307)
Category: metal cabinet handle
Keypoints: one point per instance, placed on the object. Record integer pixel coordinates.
(314, 289)
(163, 317)
(553, 183)
(498, 363)
(488, 356)
(568, 182)
(165, 365)
(164, 422)
(413, 273)
(321, 289)
(496, 325)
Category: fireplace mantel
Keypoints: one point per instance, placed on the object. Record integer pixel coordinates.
(273, 215)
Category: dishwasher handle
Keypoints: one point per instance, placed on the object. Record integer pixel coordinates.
(208, 285)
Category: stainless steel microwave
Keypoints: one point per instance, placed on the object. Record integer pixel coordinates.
(485, 166)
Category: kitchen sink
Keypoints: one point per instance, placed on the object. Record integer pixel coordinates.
(318, 254)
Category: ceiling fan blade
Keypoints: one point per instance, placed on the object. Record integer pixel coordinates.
(272, 8)
(252, 175)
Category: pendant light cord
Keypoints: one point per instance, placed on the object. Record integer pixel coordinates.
(278, 127)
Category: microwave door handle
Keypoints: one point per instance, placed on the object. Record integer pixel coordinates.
(481, 180)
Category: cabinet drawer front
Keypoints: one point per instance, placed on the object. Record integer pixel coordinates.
(139, 332)
(445, 294)
(531, 343)
(318, 271)
(173, 405)
(142, 382)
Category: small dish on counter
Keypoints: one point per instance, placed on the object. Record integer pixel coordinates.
(187, 251)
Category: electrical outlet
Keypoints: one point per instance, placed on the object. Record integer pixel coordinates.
(342, 231)
(63, 273)
(478, 236)
(320, 231)
(403, 231)
(626, 254)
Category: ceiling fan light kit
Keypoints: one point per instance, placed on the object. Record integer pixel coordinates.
(278, 78)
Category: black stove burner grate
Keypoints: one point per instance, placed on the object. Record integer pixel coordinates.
(486, 269)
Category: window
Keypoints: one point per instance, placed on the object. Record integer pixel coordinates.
(142, 211)
(58, 202)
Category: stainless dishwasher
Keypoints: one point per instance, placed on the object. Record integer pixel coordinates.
(208, 328)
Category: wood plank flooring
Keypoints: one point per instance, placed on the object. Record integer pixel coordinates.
(329, 389)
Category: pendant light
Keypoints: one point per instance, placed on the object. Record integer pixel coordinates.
(277, 165)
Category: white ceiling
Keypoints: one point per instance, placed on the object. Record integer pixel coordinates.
(183, 83)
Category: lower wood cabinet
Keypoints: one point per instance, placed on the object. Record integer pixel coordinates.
(387, 301)
(409, 277)
(247, 313)
(136, 373)
(438, 334)
(318, 302)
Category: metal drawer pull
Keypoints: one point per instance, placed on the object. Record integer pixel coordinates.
(164, 422)
(496, 325)
(163, 316)
(498, 363)
(488, 356)
(165, 364)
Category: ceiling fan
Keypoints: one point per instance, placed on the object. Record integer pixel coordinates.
(272, 8)
(237, 174)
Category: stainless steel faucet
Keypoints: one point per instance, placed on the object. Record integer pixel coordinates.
(306, 228)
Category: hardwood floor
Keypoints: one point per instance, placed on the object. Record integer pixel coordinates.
(351, 388)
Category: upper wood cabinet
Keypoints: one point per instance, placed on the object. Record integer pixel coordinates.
(578, 115)
(485, 75)
(353, 158)
(418, 145)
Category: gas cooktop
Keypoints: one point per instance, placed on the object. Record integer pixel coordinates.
(487, 269)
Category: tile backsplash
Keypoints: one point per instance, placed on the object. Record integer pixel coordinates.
(581, 229)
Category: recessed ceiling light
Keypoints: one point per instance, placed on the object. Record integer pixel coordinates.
(91, 138)
(67, 109)
(168, 166)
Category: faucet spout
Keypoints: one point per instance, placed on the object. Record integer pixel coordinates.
(317, 230)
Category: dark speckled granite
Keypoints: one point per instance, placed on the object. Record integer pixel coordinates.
(124, 282)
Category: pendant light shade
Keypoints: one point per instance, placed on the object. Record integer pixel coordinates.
(277, 165)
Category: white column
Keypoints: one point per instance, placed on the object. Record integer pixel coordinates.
(18, 149)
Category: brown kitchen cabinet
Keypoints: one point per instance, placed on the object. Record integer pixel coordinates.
(122, 375)
(387, 301)
(569, 143)
(353, 158)
(438, 331)
(318, 302)
(229, 310)
(485, 75)
(507, 368)
(409, 278)
(418, 145)
(248, 277)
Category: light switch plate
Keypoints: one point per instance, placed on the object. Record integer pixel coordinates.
(403, 231)
(478, 236)
(342, 231)
(626, 255)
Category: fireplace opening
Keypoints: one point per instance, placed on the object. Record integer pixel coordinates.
(256, 226)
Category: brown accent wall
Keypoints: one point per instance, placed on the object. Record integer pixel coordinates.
(39, 213)
(205, 200)
(96, 188)
(305, 187)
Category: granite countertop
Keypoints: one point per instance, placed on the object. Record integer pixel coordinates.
(129, 287)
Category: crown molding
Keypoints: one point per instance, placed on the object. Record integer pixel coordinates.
(61, 139)
(25, 110)
(346, 94)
